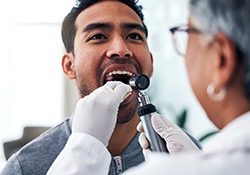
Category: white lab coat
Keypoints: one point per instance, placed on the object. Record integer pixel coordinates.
(82, 154)
(228, 153)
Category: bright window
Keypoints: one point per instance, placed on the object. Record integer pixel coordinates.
(32, 82)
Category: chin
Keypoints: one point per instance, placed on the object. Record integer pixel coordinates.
(127, 111)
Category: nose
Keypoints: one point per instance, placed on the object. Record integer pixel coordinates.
(118, 48)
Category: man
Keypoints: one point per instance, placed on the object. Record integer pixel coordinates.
(104, 41)
(217, 60)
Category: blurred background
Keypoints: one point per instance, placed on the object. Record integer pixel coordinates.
(34, 92)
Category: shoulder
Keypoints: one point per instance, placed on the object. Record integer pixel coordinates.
(56, 136)
(37, 156)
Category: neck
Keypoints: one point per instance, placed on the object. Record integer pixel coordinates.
(235, 111)
(231, 108)
(122, 136)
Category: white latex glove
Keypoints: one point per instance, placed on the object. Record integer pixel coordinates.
(96, 114)
(176, 139)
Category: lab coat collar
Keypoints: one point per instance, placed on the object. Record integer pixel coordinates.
(235, 135)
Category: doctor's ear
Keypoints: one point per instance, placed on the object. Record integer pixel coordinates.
(226, 60)
(68, 65)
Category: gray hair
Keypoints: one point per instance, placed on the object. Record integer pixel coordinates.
(232, 17)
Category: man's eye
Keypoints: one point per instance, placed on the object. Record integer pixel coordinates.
(97, 37)
(135, 36)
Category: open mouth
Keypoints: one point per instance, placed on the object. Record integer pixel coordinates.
(122, 76)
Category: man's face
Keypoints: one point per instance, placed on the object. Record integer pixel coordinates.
(109, 45)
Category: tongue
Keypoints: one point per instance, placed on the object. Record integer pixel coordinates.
(109, 79)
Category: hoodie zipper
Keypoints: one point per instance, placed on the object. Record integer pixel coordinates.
(118, 163)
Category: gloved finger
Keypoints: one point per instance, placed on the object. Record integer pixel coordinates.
(120, 90)
(123, 90)
(146, 153)
(143, 141)
(159, 125)
(112, 84)
(139, 127)
(168, 122)
(176, 139)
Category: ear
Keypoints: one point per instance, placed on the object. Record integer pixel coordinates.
(152, 67)
(68, 65)
(226, 60)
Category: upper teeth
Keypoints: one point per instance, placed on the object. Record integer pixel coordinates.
(120, 73)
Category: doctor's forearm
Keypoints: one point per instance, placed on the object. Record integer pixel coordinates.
(82, 154)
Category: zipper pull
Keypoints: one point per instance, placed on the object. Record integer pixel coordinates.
(118, 162)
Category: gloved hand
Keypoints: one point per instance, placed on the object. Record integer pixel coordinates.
(96, 114)
(176, 139)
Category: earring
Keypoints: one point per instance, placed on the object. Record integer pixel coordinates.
(215, 96)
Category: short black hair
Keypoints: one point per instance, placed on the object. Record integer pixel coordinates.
(68, 26)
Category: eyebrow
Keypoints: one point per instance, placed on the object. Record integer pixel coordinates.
(134, 26)
(94, 26)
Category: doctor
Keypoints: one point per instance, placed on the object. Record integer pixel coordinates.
(218, 64)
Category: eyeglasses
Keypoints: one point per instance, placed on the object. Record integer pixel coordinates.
(77, 3)
(180, 37)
